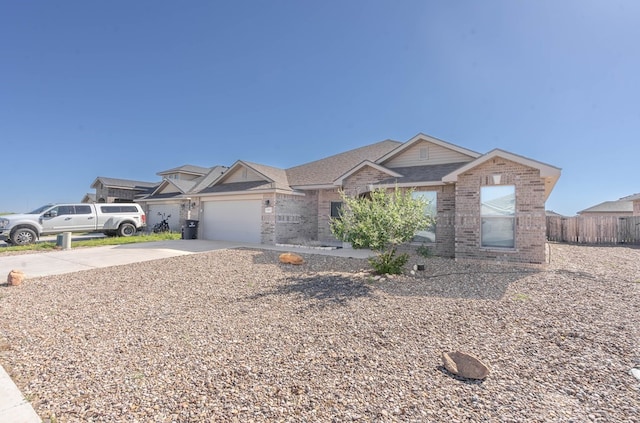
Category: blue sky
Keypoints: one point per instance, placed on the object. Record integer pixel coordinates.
(126, 89)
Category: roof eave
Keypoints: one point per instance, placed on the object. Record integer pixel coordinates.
(339, 180)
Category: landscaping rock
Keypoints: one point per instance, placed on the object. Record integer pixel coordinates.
(464, 365)
(250, 339)
(15, 277)
(291, 258)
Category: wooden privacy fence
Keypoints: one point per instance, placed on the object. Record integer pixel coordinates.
(594, 229)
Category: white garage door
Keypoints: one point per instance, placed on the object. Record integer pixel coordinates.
(238, 220)
(167, 209)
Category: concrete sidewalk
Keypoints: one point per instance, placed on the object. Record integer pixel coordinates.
(13, 406)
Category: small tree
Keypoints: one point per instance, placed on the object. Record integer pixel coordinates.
(382, 223)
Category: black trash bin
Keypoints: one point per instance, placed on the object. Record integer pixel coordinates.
(190, 229)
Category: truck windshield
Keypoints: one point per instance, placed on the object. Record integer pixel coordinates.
(41, 209)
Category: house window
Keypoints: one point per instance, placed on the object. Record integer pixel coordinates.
(498, 216)
(424, 153)
(335, 208)
(427, 234)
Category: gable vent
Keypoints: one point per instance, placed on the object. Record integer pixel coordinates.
(424, 153)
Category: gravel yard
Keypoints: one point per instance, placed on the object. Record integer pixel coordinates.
(233, 335)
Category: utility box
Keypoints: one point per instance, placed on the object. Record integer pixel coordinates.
(64, 240)
(190, 229)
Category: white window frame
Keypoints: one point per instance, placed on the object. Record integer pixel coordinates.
(431, 209)
(496, 210)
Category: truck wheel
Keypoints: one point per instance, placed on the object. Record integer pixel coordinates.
(126, 229)
(23, 236)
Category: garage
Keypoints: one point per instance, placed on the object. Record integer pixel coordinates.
(232, 220)
(157, 211)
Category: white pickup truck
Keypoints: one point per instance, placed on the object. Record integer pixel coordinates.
(122, 219)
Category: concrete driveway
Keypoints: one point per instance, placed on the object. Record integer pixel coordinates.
(75, 260)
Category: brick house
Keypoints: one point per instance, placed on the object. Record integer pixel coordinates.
(625, 206)
(113, 190)
(487, 206)
(171, 199)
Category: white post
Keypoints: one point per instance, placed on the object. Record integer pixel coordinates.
(66, 240)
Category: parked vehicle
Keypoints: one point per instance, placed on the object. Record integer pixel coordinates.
(122, 219)
(163, 225)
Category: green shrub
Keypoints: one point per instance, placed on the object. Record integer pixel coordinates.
(388, 264)
(381, 222)
(424, 251)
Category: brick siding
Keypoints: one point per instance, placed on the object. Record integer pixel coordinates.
(530, 222)
(290, 217)
(325, 197)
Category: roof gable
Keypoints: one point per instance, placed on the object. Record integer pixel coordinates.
(549, 173)
(367, 163)
(187, 169)
(173, 186)
(206, 180)
(249, 175)
(447, 152)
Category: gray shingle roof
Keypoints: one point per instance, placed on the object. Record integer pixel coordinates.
(124, 183)
(631, 197)
(427, 173)
(207, 179)
(162, 195)
(237, 186)
(277, 175)
(196, 170)
(620, 206)
(325, 171)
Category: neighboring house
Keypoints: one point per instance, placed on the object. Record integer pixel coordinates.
(488, 206)
(89, 198)
(112, 190)
(551, 213)
(625, 206)
(170, 198)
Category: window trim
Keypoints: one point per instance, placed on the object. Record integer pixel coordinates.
(434, 206)
(335, 206)
(511, 217)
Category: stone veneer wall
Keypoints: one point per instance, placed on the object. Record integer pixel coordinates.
(445, 221)
(325, 197)
(289, 217)
(530, 213)
(359, 182)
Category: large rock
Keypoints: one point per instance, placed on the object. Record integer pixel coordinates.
(464, 365)
(15, 277)
(291, 258)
